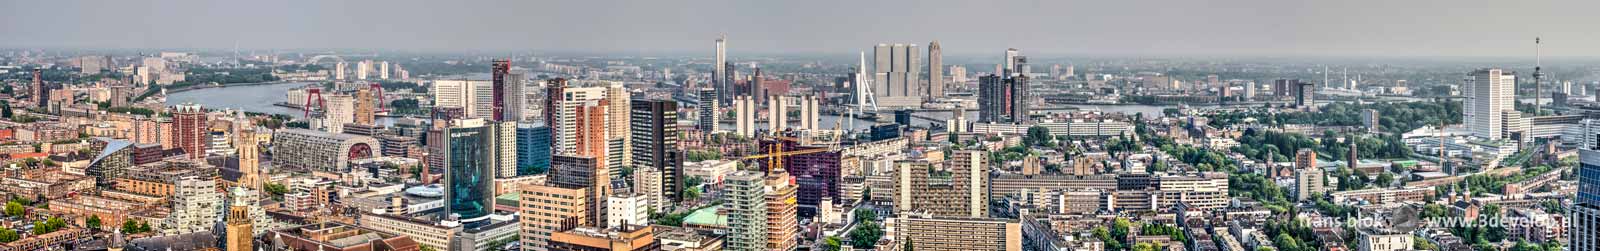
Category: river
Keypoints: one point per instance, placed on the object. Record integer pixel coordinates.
(252, 98)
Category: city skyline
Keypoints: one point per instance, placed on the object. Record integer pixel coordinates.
(1242, 28)
(731, 125)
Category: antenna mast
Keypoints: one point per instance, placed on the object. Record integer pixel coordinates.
(1537, 75)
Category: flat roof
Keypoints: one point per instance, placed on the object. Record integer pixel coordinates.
(707, 217)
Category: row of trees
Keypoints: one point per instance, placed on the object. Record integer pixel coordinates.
(1279, 146)
(1393, 117)
(225, 76)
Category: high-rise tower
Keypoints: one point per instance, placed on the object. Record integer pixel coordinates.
(993, 99)
(655, 143)
(501, 68)
(365, 106)
(515, 100)
(552, 104)
(1020, 93)
(719, 71)
(471, 154)
(1584, 223)
(1489, 99)
(41, 93)
(708, 110)
(189, 130)
(935, 70)
(1010, 62)
(618, 139)
(895, 75)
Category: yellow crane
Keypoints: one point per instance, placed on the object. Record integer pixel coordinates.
(775, 155)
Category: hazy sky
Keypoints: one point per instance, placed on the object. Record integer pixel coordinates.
(1101, 27)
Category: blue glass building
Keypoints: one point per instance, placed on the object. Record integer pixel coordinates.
(533, 149)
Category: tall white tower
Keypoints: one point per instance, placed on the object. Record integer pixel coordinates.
(719, 70)
(1489, 98)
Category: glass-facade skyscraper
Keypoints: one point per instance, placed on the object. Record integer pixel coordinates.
(533, 149)
(1584, 224)
(1585, 218)
(470, 164)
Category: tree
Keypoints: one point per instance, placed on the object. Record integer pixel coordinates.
(831, 243)
(908, 246)
(5, 110)
(48, 226)
(144, 227)
(130, 227)
(1525, 246)
(8, 235)
(93, 222)
(1037, 135)
(1384, 179)
(1147, 246)
(1112, 243)
(1119, 228)
(1285, 242)
(14, 209)
(276, 190)
(691, 193)
(866, 235)
(865, 215)
(1423, 244)
(692, 181)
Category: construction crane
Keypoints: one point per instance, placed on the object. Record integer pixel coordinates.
(775, 155)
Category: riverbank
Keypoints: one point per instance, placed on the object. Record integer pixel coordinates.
(252, 97)
(202, 87)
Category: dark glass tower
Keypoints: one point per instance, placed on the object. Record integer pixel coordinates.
(501, 68)
(655, 142)
(469, 171)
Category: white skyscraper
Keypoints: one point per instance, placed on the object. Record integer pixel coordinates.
(744, 112)
(719, 70)
(339, 69)
(958, 73)
(476, 97)
(809, 114)
(363, 69)
(340, 109)
(935, 70)
(1489, 98)
(567, 116)
(777, 114)
(1011, 59)
(506, 148)
(383, 70)
(516, 99)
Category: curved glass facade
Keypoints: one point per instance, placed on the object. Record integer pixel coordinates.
(468, 181)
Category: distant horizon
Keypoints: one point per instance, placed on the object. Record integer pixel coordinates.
(1135, 28)
(1549, 60)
